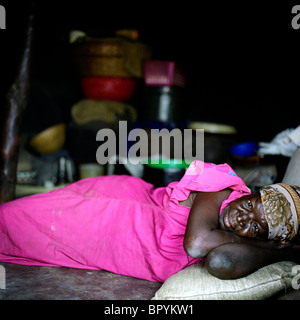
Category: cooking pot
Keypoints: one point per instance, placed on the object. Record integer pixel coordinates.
(162, 103)
(218, 138)
(160, 174)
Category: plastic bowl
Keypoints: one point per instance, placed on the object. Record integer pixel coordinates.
(108, 88)
(49, 140)
(245, 149)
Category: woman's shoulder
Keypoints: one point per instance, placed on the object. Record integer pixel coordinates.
(216, 196)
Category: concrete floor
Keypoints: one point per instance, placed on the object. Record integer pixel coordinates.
(49, 283)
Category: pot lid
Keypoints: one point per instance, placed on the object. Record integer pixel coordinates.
(211, 127)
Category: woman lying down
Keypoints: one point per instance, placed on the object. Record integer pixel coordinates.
(123, 225)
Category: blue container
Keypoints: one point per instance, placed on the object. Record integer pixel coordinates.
(245, 149)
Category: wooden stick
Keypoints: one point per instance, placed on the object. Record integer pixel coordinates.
(16, 101)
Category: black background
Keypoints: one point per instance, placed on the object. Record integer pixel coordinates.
(242, 59)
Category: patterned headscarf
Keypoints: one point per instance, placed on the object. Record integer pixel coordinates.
(281, 203)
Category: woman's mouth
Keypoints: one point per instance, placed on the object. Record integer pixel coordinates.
(227, 221)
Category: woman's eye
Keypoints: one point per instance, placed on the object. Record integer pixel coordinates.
(255, 226)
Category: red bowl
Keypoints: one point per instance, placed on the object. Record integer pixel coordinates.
(108, 88)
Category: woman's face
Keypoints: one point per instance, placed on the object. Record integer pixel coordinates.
(245, 217)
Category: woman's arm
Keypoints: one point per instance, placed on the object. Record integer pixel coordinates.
(235, 260)
(229, 256)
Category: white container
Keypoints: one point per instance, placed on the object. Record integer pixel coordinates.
(87, 170)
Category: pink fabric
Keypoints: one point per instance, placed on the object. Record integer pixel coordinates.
(116, 223)
(208, 177)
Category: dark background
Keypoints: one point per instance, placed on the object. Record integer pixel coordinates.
(242, 59)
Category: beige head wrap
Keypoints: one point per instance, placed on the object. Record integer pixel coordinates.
(281, 203)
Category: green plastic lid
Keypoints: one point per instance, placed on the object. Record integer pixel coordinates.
(168, 163)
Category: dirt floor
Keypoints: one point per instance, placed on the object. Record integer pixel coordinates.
(51, 283)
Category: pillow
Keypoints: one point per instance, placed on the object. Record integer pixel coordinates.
(196, 283)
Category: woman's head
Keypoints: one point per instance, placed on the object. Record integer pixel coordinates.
(245, 217)
(271, 213)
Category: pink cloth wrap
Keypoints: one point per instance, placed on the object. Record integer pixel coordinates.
(116, 223)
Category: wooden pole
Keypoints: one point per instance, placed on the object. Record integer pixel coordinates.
(16, 101)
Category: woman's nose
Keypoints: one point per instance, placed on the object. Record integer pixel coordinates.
(244, 218)
(241, 220)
